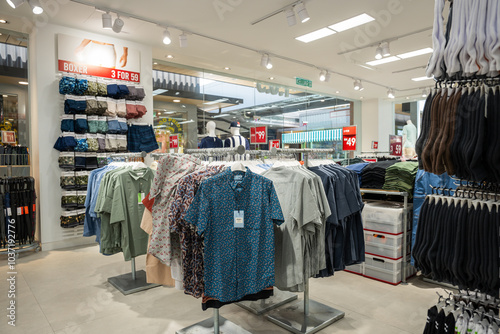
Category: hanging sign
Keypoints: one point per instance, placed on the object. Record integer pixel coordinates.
(97, 58)
(8, 137)
(174, 141)
(395, 145)
(274, 143)
(258, 135)
(374, 145)
(303, 82)
(349, 138)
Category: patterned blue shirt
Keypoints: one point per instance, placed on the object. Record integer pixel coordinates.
(238, 261)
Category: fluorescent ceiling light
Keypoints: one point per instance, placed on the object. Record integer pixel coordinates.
(415, 53)
(220, 115)
(177, 101)
(312, 36)
(383, 61)
(15, 3)
(352, 22)
(422, 78)
(185, 122)
(23, 83)
(216, 101)
(159, 91)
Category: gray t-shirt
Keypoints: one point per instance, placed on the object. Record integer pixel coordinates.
(301, 212)
(410, 131)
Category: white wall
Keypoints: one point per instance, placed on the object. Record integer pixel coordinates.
(386, 123)
(46, 108)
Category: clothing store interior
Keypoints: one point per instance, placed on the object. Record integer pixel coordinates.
(236, 166)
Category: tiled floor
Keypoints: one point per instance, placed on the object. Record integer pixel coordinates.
(66, 292)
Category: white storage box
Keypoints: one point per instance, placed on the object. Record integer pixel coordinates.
(382, 263)
(390, 252)
(385, 216)
(355, 268)
(386, 245)
(386, 276)
(383, 239)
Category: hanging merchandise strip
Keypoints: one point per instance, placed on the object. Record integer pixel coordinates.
(468, 44)
(460, 133)
(464, 312)
(457, 240)
(17, 210)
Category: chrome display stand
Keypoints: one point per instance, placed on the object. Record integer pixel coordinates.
(305, 317)
(214, 325)
(405, 221)
(132, 282)
(265, 305)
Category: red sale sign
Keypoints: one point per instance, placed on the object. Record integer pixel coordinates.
(274, 143)
(374, 145)
(395, 145)
(174, 141)
(349, 138)
(258, 135)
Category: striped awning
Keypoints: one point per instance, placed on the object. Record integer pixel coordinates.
(312, 136)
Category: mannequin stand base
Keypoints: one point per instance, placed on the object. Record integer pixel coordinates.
(207, 327)
(293, 319)
(259, 307)
(127, 285)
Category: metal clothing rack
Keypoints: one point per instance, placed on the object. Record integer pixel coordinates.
(405, 220)
(134, 281)
(307, 316)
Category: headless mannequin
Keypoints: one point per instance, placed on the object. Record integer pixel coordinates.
(235, 131)
(409, 139)
(211, 141)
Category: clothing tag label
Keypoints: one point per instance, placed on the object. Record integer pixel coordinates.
(20, 211)
(9, 212)
(140, 197)
(26, 211)
(239, 219)
(238, 177)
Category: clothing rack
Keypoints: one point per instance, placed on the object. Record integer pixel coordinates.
(404, 194)
(134, 281)
(307, 316)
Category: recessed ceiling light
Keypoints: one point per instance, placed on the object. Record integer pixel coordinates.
(415, 53)
(177, 93)
(177, 101)
(170, 56)
(155, 63)
(383, 61)
(337, 92)
(23, 82)
(422, 78)
(407, 97)
(312, 36)
(361, 98)
(3, 21)
(5, 95)
(352, 22)
(271, 78)
(227, 68)
(323, 100)
(184, 106)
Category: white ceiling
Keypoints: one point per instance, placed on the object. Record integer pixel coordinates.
(272, 35)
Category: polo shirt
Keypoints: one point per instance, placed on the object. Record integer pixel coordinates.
(238, 261)
(211, 142)
(127, 209)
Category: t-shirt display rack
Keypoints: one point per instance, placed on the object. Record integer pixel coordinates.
(403, 194)
(134, 281)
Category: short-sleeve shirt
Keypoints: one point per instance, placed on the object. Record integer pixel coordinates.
(127, 211)
(238, 261)
(211, 142)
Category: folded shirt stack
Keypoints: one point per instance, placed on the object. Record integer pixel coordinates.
(401, 176)
(373, 175)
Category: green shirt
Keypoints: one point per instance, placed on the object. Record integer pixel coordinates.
(130, 187)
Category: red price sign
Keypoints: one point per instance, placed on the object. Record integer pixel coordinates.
(8, 137)
(395, 145)
(174, 141)
(258, 135)
(274, 143)
(374, 145)
(349, 138)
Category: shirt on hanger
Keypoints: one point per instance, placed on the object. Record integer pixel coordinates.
(238, 260)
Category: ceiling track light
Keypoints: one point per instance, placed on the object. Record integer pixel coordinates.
(424, 92)
(390, 93)
(183, 40)
(265, 61)
(358, 85)
(118, 25)
(15, 3)
(386, 51)
(107, 21)
(35, 7)
(324, 75)
(291, 19)
(378, 52)
(166, 37)
(301, 10)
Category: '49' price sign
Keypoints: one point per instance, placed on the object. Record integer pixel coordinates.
(349, 138)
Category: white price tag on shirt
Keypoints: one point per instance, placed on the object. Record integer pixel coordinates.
(239, 217)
